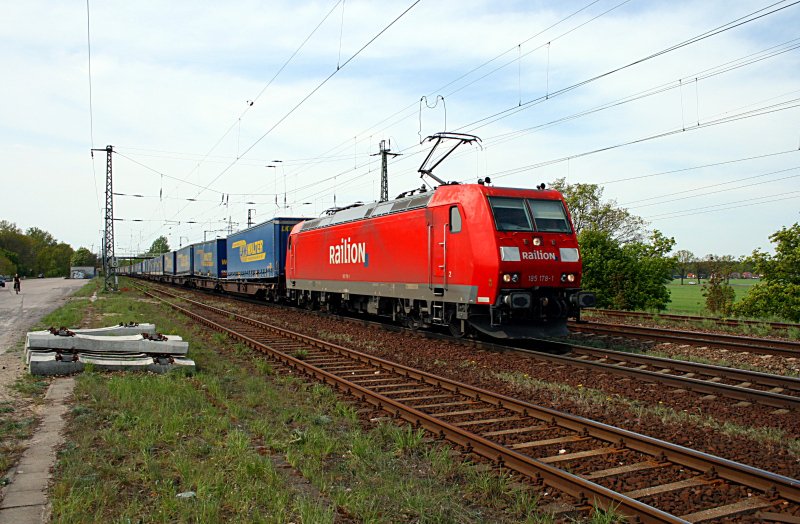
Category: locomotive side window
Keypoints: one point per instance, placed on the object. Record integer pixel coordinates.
(549, 216)
(510, 214)
(455, 220)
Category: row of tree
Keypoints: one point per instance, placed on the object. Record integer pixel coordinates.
(33, 252)
(629, 267)
(37, 252)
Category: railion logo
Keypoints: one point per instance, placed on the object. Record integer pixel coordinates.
(538, 255)
(347, 252)
(250, 252)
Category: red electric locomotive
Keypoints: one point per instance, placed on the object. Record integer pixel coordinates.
(476, 258)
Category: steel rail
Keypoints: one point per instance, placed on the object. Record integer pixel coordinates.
(741, 375)
(693, 318)
(769, 483)
(785, 348)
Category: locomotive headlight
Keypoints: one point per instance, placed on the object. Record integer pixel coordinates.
(507, 277)
(515, 277)
(511, 277)
(569, 254)
(537, 241)
(567, 277)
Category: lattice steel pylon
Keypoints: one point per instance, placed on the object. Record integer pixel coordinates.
(384, 153)
(109, 261)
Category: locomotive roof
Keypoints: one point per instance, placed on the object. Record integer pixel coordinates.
(408, 203)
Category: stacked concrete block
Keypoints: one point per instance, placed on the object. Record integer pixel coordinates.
(63, 351)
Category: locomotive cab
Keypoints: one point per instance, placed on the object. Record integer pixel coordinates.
(538, 266)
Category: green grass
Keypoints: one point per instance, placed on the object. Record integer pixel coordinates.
(688, 298)
(231, 435)
(13, 430)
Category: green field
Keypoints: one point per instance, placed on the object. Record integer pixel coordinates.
(688, 298)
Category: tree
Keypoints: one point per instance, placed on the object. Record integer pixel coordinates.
(779, 293)
(40, 237)
(718, 291)
(17, 247)
(590, 212)
(683, 261)
(83, 257)
(159, 246)
(627, 276)
(7, 267)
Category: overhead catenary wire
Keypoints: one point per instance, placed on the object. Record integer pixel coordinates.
(369, 132)
(306, 97)
(317, 183)
(752, 201)
(696, 191)
(91, 110)
(722, 68)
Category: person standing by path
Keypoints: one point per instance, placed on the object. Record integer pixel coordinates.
(16, 284)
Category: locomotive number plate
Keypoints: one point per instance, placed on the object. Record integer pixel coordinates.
(541, 278)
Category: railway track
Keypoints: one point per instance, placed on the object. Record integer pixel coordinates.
(764, 346)
(778, 326)
(742, 386)
(592, 463)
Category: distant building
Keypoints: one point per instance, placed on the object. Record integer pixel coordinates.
(79, 272)
(747, 274)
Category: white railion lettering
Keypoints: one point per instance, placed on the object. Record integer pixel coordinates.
(538, 255)
(347, 252)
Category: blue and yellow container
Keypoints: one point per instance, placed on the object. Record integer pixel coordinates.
(210, 259)
(260, 252)
(184, 261)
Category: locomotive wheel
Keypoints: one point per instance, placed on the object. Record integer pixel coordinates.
(455, 329)
(411, 323)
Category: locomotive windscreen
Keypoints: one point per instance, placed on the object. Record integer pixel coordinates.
(518, 214)
(510, 214)
(549, 216)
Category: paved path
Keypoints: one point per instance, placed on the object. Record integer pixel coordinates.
(25, 498)
(39, 296)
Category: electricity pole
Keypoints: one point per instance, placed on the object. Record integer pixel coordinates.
(385, 152)
(109, 261)
(249, 217)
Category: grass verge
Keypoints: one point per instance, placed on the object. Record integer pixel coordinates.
(242, 440)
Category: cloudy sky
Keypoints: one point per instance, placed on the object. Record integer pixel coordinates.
(686, 113)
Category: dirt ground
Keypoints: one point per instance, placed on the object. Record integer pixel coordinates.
(18, 313)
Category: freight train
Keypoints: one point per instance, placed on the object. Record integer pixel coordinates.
(473, 258)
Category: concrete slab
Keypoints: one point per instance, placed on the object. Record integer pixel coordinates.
(113, 331)
(46, 363)
(25, 515)
(32, 481)
(25, 497)
(174, 345)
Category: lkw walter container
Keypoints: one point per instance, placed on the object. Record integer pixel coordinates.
(184, 261)
(169, 263)
(210, 259)
(157, 267)
(260, 252)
